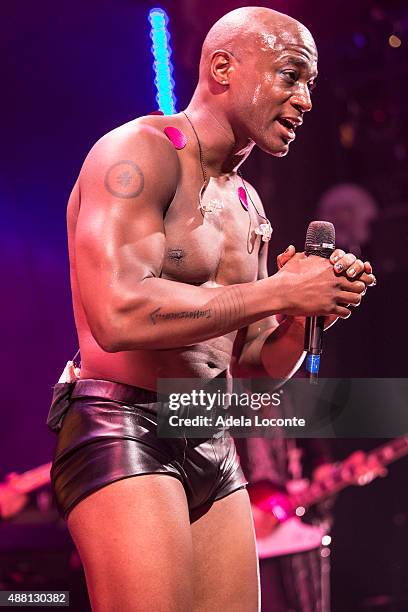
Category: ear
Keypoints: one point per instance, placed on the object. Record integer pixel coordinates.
(221, 66)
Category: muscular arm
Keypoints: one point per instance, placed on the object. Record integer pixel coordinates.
(126, 183)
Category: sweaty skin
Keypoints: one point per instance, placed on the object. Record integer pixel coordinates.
(161, 290)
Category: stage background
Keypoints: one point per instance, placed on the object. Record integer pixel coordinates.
(71, 72)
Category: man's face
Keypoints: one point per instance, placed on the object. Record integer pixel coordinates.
(276, 88)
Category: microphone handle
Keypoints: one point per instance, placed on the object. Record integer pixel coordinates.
(315, 326)
(313, 345)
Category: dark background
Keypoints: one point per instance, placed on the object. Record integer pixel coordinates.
(71, 72)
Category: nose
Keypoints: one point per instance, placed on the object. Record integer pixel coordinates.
(301, 100)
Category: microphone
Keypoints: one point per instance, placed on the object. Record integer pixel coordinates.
(320, 239)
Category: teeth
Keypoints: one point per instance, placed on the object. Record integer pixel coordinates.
(287, 123)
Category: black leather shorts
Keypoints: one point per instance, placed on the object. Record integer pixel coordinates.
(107, 431)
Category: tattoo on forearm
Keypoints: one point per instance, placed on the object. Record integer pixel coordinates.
(124, 179)
(229, 310)
(156, 316)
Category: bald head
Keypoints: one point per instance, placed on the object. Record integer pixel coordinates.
(254, 30)
(257, 70)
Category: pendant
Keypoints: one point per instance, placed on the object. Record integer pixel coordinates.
(265, 231)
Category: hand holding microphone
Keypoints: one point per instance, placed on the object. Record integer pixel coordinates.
(320, 242)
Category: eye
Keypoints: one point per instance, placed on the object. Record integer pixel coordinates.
(291, 75)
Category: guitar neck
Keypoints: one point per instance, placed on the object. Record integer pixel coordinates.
(33, 479)
(344, 475)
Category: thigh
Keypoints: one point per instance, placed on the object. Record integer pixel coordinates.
(225, 559)
(134, 540)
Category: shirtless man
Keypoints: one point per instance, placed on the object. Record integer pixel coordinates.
(160, 286)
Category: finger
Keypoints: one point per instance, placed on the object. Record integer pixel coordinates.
(329, 321)
(342, 312)
(368, 279)
(368, 267)
(356, 286)
(285, 256)
(336, 255)
(344, 262)
(355, 269)
(347, 298)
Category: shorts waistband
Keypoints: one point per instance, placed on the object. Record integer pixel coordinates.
(90, 387)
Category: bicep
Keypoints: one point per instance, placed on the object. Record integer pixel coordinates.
(119, 238)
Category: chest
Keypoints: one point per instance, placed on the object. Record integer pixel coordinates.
(219, 246)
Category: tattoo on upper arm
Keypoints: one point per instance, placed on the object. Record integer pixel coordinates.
(124, 179)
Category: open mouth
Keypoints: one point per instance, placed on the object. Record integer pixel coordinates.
(289, 126)
(287, 123)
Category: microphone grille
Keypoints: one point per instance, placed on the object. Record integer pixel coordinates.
(320, 237)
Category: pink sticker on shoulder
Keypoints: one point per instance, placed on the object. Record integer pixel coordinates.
(243, 197)
(176, 136)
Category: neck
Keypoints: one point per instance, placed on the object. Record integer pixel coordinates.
(223, 153)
